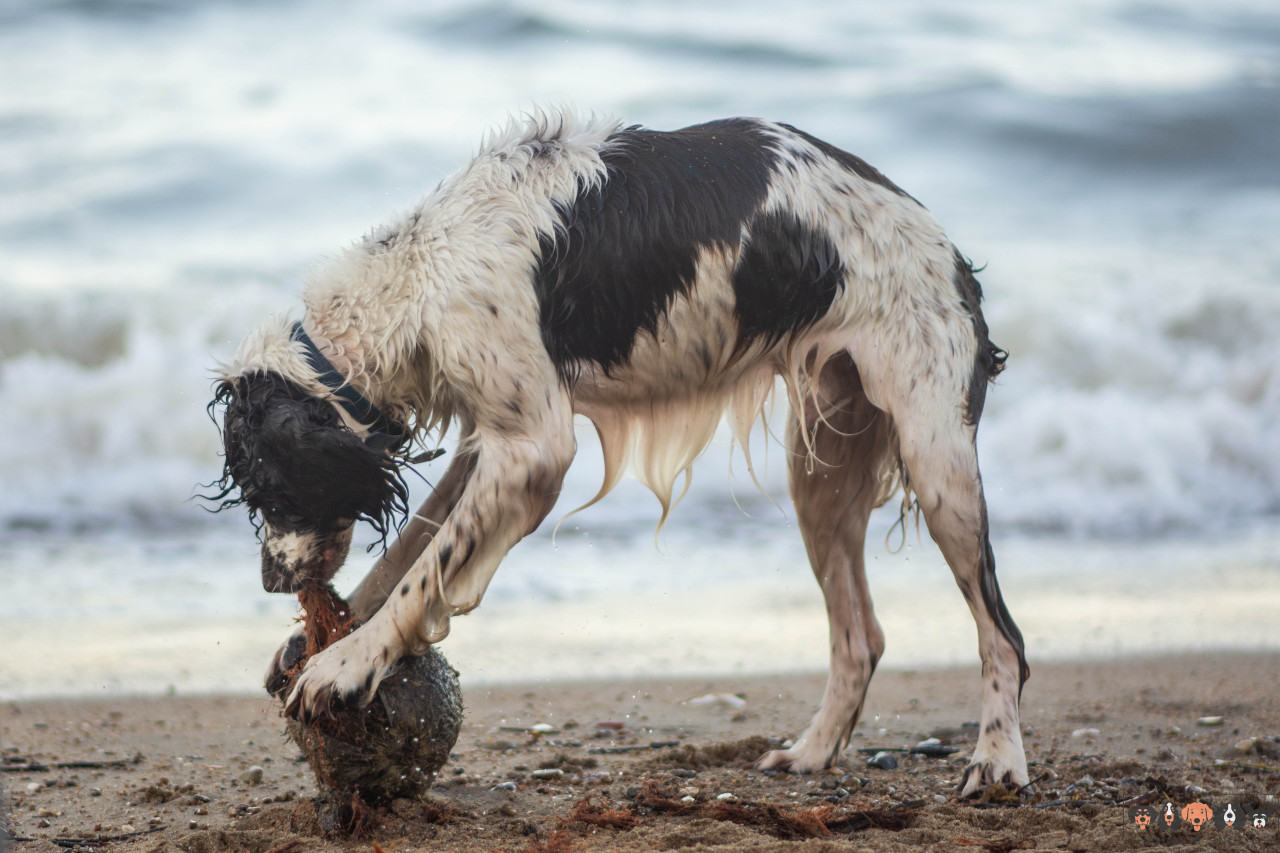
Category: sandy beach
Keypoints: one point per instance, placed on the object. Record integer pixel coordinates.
(670, 767)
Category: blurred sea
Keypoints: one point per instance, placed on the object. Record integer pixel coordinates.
(170, 170)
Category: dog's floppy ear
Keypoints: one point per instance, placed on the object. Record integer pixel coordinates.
(293, 461)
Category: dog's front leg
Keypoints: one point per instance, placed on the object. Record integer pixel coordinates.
(512, 487)
(388, 570)
(373, 590)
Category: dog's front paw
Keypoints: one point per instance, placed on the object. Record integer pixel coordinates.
(288, 656)
(345, 675)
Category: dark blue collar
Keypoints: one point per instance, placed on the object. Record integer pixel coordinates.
(385, 433)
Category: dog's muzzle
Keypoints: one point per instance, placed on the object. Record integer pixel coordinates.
(290, 561)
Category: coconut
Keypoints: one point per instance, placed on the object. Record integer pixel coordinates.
(391, 748)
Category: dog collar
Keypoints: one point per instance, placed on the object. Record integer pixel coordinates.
(385, 433)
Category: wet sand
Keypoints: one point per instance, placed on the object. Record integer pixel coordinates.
(198, 775)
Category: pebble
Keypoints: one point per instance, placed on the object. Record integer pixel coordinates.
(727, 699)
(883, 760)
(689, 792)
(1244, 747)
(95, 792)
(252, 776)
(727, 797)
(1086, 782)
(505, 786)
(684, 773)
(687, 799)
(127, 827)
(543, 729)
(33, 787)
(1085, 733)
(1209, 721)
(547, 773)
(938, 798)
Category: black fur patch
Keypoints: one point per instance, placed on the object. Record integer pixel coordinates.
(290, 460)
(626, 248)
(787, 277)
(996, 609)
(990, 358)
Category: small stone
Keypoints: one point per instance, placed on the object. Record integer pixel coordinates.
(95, 792)
(1085, 733)
(727, 797)
(127, 827)
(252, 776)
(47, 813)
(202, 811)
(547, 773)
(43, 824)
(1244, 747)
(1209, 721)
(543, 729)
(505, 786)
(32, 787)
(939, 799)
(883, 760)
(1086, 782)
(689, 792)
(682, 799)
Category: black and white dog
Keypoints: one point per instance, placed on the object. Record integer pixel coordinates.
(653, 282)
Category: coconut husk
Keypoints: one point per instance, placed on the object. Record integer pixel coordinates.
(393, 747)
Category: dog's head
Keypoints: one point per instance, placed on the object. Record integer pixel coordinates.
(1197, 814)
(305, 477)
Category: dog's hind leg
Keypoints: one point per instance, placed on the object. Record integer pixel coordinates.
(833, 495)
(936, 433)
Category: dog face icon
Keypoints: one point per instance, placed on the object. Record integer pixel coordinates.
(1260, 820)
(1141, 817)
(1197, 814)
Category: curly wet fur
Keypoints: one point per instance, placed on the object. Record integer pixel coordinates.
(289, 459)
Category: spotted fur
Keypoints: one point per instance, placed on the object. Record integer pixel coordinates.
(655, 283)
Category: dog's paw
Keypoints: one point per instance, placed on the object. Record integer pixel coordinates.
(345, 675)
(983, 773)
(286, 658)
(797, 759)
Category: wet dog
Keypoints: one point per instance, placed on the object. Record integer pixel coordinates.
(654, 282)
